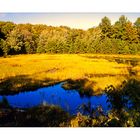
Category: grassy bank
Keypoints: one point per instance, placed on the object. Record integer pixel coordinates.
(25, 72)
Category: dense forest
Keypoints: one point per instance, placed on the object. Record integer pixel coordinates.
(123, 37)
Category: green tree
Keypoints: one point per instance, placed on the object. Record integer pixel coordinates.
(21, 40)
(92, 39)
(53, 40)
(6, 28)
(119, 28)
(106, 27)
(130, 33)
(137, 25)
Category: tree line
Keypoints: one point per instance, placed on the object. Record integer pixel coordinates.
(123, 37)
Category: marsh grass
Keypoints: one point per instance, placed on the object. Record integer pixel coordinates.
(25, 72)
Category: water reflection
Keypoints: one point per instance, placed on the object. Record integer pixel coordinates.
(126, 97)
(70, 100)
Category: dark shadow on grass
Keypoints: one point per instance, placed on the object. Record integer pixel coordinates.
(83, 86)
(105, 75)
(15, 84)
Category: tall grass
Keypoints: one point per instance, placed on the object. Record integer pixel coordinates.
(101, 69)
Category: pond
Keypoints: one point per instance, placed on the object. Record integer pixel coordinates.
(69, 100)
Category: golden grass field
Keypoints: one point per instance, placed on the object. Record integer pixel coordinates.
(23, 72)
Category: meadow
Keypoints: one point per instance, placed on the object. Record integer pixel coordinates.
(90, 74)
(28, 72)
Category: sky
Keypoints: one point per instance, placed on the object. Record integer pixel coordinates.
(73, 20)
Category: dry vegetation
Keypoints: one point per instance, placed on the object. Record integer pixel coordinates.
(24, 72)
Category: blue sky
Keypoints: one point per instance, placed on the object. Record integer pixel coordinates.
(73, 20)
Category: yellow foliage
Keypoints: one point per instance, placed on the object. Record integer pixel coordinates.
(59, 67)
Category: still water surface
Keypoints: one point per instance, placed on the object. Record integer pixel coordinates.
(69, 100)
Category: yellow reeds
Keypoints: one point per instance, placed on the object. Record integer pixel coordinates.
(97, 68)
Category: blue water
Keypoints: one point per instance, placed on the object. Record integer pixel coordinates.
(69, 100)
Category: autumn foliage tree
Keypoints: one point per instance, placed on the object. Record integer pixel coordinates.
(122, 37)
